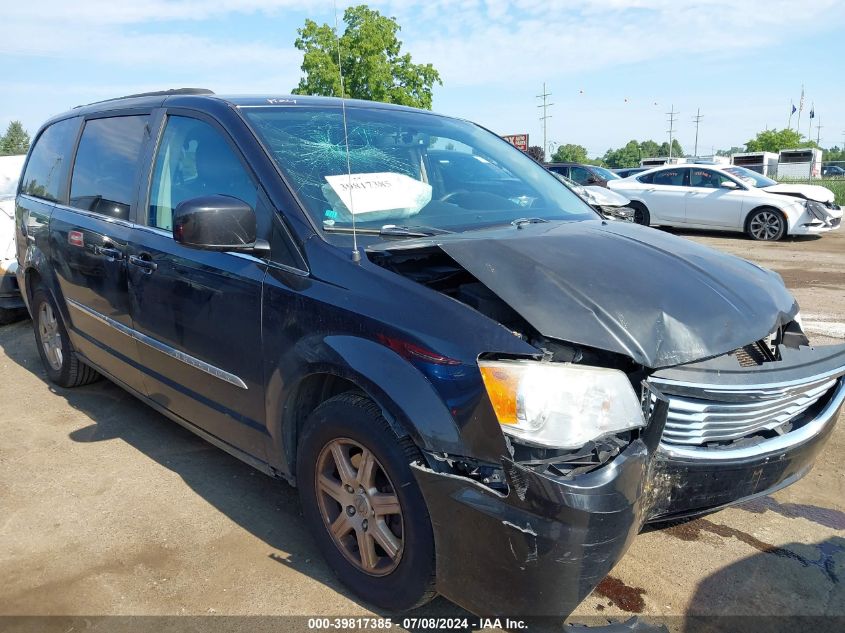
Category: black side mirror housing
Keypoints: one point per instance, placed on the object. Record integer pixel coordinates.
(216, 223)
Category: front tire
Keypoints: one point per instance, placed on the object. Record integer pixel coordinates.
(641, 214)
(766, 225)
(60, 361)
(362, 503)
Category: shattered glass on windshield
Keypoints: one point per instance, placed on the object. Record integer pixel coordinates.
(446, 174)
(314, 154)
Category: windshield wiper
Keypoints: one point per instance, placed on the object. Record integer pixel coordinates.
(412, 231)
(520, 222)
(391, 230)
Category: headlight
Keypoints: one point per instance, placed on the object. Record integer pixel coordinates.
(560, 405)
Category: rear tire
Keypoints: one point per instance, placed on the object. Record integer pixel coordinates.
(641, 214)
(60, 361)
(766, 225)
(368, 516)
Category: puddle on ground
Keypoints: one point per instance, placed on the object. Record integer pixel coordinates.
(626, 598)
(691, 531)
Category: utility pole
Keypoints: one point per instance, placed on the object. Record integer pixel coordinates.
(819, 133)
(672, 118)
(545, 105)
(697, 119)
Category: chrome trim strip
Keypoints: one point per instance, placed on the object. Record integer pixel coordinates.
(769, 447)
(94, 216)
(192, 361)
(742, 389)
(165, 233)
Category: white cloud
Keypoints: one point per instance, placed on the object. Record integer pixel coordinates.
(509, 46)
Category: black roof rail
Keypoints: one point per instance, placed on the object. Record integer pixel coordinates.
(156, 93)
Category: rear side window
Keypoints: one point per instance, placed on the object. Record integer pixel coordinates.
(672, 177)
(46, 169)
(107, 164)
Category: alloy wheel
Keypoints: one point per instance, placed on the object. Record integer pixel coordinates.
(51, 338)
(766, 225)
(359, 506)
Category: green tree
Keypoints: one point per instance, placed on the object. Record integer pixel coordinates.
(729, 152)
(677, 150)
(570, 153)
(834, 154)
(536, 152)
(628, 156)
(15, 141)
(649, 148)
(374, 67)
(776, 140)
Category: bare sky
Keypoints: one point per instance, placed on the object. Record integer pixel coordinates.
(614, 67)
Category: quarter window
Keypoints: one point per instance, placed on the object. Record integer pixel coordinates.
(47, 166)
(106, 167)
(194, 160)
(671, 177)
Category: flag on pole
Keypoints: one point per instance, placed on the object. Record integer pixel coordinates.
(801, 102)
(793, 110)
(813, 111)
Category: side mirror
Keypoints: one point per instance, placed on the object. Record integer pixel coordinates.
(216, 223)
(729, 184)
(590, 181)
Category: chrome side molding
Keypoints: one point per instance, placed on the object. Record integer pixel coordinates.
(157, 345)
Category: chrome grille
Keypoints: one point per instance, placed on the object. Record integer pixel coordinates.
(701, 415)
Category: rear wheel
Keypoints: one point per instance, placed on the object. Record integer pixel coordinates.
(63, 366)
(766, 225)
(641, 214)
(363, 505)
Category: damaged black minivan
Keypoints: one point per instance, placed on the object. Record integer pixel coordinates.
(480, 387)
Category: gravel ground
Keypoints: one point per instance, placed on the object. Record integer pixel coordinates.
(108, 508)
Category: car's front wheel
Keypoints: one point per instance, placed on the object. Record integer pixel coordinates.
(766, 225)
(63, 366)
(361, 501)
(641, 214)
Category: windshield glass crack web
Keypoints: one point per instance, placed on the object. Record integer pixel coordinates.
(312, 149)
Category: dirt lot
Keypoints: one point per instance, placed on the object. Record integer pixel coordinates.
(108, 508)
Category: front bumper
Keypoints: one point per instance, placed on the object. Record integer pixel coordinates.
(542, 548)
(10, 294)
(683, 483)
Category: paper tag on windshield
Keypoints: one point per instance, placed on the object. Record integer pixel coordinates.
(396, 194)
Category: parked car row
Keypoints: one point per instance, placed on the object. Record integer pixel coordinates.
(728, 198)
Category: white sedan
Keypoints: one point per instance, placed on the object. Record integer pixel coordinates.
(728, 198)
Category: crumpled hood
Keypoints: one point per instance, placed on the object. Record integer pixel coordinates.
(809, 192)
(604, 197)
(657, 298)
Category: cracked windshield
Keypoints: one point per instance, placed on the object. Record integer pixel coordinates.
(407, 169)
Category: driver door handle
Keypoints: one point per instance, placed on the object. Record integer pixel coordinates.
(107, 250)
(144, 262)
